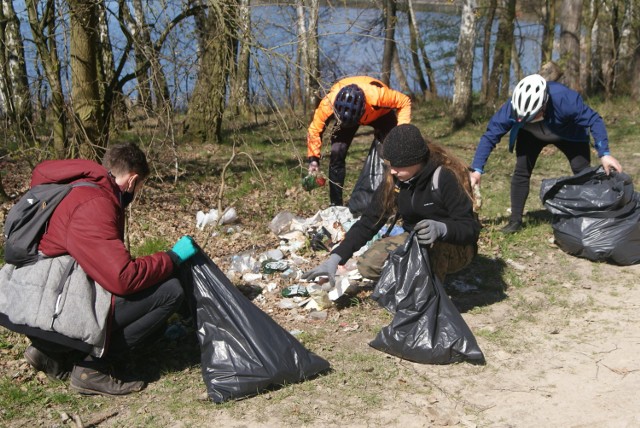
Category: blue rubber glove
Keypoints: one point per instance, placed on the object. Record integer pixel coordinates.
(184, 248)
(327, 268)
(429, 231)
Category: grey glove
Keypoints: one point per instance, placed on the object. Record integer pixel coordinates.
(429, 231)
(327, 268)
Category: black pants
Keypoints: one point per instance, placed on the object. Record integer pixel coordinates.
(137, 319)
(341, 139)
(528, 148)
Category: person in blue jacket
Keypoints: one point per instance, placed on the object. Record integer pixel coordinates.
(542, 113)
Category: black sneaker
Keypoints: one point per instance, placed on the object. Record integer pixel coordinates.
(55, 367)
(95, 378)
(512, 227)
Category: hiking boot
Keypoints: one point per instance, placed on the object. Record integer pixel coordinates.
(95, 378)
(512, 227)
(54, 367)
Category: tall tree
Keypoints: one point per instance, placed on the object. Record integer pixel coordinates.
(43, 30)
(239, 97)
(390, 8)
(462, 95)
(85, 91)
(570, 16)
(215, 39)
(486, 48)
(548, 30)
(500, 71)
(14, 86)
(428, 86)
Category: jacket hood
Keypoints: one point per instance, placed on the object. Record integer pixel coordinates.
(69, 171)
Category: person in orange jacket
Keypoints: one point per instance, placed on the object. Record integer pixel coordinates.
(351, 102)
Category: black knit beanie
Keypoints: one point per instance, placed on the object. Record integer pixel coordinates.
(404, 146)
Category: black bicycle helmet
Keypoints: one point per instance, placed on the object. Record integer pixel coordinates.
(349, 105)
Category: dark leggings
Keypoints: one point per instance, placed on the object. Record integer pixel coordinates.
(341, 139)
(140, 317)
(528, 149)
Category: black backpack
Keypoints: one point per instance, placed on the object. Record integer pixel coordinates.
(27, 220)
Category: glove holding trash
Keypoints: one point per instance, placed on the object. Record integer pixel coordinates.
(327, 268)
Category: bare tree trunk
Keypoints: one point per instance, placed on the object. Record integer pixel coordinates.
(301, 73)
(142, 39)
(239, 97)
(606, 45)
(548, 30)
(626, 48)
(428, 87)
(570, 17)
(634, 71)
(85, 92)
(400, 75)
(486, 49)
(461, 104)
(216, 55)
(313, 86)
(16, 86)
(500, 70)
(43, 30)
(389, 40)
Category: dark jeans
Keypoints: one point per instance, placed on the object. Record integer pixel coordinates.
(528, 148)
(137, 318)
(341, 139)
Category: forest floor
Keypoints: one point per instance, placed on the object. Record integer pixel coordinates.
(560, 334)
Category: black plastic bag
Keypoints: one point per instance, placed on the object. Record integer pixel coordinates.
(595, 216)
(427, 327)
(369, 180)
(243, 350)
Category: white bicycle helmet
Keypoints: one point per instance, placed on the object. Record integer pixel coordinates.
(529, 96)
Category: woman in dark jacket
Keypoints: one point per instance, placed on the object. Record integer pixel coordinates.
(429, 190)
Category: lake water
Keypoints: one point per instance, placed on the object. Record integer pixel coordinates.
(351, 43)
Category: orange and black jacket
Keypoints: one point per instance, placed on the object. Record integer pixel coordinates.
(379, 100)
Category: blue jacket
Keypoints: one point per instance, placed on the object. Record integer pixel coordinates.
(566, 115)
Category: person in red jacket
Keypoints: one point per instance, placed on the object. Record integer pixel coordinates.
(88, 225)
(351, 102)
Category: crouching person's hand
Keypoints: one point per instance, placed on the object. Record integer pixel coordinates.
(327, 268)
(184, 249)
(429, 231)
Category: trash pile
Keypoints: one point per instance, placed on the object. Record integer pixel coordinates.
(279, 270)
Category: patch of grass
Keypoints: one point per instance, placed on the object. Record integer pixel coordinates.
(151, 246)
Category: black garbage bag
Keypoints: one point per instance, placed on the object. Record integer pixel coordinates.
(370, 178)
(427, 327)
(595, 216)
(243, 350)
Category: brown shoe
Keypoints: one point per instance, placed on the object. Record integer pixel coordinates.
(55, 367)
(95, 378)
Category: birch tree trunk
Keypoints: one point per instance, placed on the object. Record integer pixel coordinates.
(239, 97)
(313, 73)
(462, 95)
(570, 18)
(15, 90)
(43, 30)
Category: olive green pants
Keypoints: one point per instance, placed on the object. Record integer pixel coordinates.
(444, 258)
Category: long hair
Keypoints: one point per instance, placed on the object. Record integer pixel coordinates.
(440, 156)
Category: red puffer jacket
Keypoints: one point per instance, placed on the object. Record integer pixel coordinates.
(89, 225)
